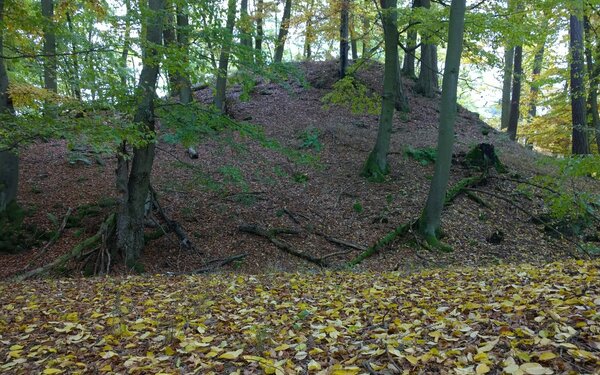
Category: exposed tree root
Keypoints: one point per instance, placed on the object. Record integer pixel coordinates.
(96, 242)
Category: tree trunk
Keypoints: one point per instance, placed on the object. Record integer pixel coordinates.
(365, 34)
(130, 220)
(308, 39)
(170, 40)
(126, 43)
(408, 69)
(376, 166)
(594, 75)
(49, 46)
(75, 86)
(428, 73)
(401, 100)
(259, 26)
(283, 31)
(224, 58)
(580, 144)
(538, 62)
(183, 78)
(344, 13)
(353, 42)
(245, 36)
(430, 220)
(509, 57)
(515, 101)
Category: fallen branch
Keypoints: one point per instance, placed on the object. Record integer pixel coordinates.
(52, 241)
(282, 245)
(96, 239)
(208, 267)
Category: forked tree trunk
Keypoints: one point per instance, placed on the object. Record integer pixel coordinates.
(9, 161)
(221, 88)
(130, 219)
(509, 57)
(580, 144)
(429, 223)
(376, 166)
(515, 101)
(283, 31)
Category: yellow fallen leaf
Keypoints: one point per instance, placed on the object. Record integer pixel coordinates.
(51, 371)
(314, 365)
(346, 371)
(412, 359)
(546, 356)
(231, 355)
(533, 368)
(482, 369)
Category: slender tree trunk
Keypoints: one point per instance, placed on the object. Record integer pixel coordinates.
(538, 63)
(430, 219)
(75, 86)
(408, 69)
(509, 57)
(283, 31)
(308, 39)
(49, 46)
(515, 101)
(224, 58)
(259, 26)
(428, 74)
(353, 42)
(366, 25)
(9, 161)
(376, 166)
(344, 13)
(170, 41)
(245, 36)
(580, 144)
(130, 220)
(183, 78)
(594, 80)
(401, 100)
(126, 43)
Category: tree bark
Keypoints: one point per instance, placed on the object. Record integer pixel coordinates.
(245, 37)
(183, 78)
(170, 41)
(283, 31)
(509, 57)
(366, 25)
(75, 86)
(515, 101)
(130, 220)
(401, 100)
(579, 144)
(376, 166)
(49, 46)
(353, 42)
(126, 43)
(408, 69)
(9, 161)
(594, 80)
(224, 58)
(344, 14)
(308, 39)
(428, 73)
(430, 220)
(538, 63)
(259, 26)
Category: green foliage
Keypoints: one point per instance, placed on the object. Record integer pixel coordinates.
(352, 94)
(357, 207)
(15, 236)
(310, 139)
(424, 155)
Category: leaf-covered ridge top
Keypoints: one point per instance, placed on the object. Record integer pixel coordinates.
(506, 319)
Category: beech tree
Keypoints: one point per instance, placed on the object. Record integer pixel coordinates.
(426, 83)
(515, 101)
(344, 14)
(429, 223)
(224, 58)
(509, 57)
(593, 68)
(133, 180)
(283, 31)
(376, 166)
(577, 89)
(408, 67)
(9, 161)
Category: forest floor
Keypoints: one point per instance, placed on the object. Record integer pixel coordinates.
(510, 319)
(237, 182)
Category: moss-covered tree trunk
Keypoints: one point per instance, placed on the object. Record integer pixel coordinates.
(283, 31)
(429, 224)
(376, 166)
(221, 88)
(9, 161)
(426, 83)
(579, 144)
(130, 220)
(515, 100)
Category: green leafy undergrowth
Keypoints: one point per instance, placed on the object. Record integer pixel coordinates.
(506, 319)
(350, 93)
